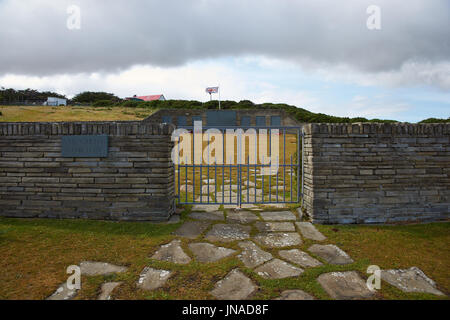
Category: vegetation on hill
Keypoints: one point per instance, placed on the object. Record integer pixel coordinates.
(435, 120)
(302, 115)
(93, 97)
(104, 99)
(29, 96)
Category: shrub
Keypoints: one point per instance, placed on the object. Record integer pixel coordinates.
(435, 120)
(131, 104)
(102, 103)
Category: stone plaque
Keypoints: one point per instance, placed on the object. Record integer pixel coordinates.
(84, 146)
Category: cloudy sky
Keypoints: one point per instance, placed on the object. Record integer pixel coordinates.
(318, 55)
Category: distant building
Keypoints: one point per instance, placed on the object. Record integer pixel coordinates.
(52, 101)
(147, 98)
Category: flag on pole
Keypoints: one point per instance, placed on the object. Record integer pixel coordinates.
(212, 90)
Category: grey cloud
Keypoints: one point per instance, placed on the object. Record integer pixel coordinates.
(117, 34)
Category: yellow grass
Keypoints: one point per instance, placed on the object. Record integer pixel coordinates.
(69, 113)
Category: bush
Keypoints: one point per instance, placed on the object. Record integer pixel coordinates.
(131, 104)
(103, 103)
(435, 120)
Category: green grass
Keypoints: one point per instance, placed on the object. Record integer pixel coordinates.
(36, 252)
(70, 113)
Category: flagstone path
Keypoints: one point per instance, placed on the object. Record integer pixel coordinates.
(267, 243)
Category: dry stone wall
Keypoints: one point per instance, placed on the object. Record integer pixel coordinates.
(134, 182)
(377, 173)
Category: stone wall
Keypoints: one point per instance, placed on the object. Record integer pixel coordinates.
(135, 181)
(377, 173)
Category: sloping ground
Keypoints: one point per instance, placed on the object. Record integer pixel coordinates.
(57, 114)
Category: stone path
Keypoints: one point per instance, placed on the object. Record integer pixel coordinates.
(309, 231)
(252, 255)
(228, 233)
(235, 286)
(172, 252)
(278, 269)
(242, 217)
(300, 258)
(268, 243)
(90, 268)
(295, 295)
(206, 252)
(278, 216)
(410, 280)
(106, 289)
(344, 285)
(192, 229)
(151, 279)
(331, 254)
(278, 239)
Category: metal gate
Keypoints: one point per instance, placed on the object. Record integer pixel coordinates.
(240, 178)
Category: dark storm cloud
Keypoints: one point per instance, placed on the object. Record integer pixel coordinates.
(115, 34)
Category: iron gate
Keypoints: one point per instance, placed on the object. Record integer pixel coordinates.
(238, 180)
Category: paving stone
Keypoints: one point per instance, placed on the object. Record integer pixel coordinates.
(211, 181)
(252, 255)
(241, 217)
(275, 205)
(204, 198)
(410, 280)
(228, 232)
(278, 216)
(189, 188)
(278, 239)
(192, 229)
(206, 252)
(172, 252)
(300, 258)
(252, 192)
(91, 268)
(206, 207)
(344, 285)
(309, 231)
(295, 295)
(235, 286)
(331, 254)
(173, 219)
(250, 183)
(275, 226)
(248, 206)
(227, 187)
(211, 191)
(63, 293)
(278, 269)
(106, 290)
(151, 279)
(209, 216)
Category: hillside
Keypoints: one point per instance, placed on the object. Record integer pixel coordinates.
(132, 110)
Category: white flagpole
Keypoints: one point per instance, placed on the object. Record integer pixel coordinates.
(219, 97)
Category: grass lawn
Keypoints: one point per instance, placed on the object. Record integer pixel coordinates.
(36, 252)
(70, 113)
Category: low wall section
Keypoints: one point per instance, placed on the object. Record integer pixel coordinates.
(134, 182)
(377, 173)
